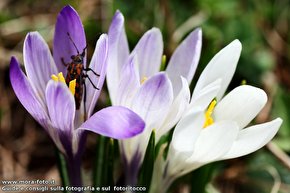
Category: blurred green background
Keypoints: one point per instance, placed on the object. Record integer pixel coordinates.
(262, 26)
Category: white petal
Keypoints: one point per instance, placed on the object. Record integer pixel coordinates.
(214, 141)
(177, 109)
(241, 105)
(253, 138)
(149, 51)
(203, 98)
(223, 65)
(187, 131)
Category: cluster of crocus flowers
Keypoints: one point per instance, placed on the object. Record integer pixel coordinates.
(46, 96)
(209, 127)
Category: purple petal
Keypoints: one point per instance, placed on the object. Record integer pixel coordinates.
(38, 61)
(26, 94)
(185, 59)
(118, 53)
(154, 99)
(129, 82)
(116, 122)
(149, 51)
(61, 106)
(68, 21)
(99, 65)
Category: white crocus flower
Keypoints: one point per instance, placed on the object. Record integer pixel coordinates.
(214, 127)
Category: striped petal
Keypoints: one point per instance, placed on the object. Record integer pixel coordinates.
(61, 109)
(153, 100)
(99, 65)
(118, 53)
(38, 62)
(149, 51)
(129, 82)
(177, 109)
(25, 93)
(60, 105)
(185, 59)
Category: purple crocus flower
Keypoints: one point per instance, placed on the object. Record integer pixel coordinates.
(45, 95)
(134, 81)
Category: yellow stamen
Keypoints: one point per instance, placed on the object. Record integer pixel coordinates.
(143, 79)
(72, 86)
(60, 77)
(55, 78)
(208, 114)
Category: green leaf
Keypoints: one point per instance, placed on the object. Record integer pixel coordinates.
(104, 164)
(163, 140)
(170, 134)
(200, 178)
(98, 172)
(146, 170)
(110, 163)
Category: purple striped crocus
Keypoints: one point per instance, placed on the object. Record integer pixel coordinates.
(134, 81)
(45, 95)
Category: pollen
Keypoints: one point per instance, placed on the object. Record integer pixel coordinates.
(60, 78)
(208, 114)
(144, 79)
(72, 86)
(54, 77)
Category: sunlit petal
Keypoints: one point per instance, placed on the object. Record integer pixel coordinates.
(241, 105)
(222, 65)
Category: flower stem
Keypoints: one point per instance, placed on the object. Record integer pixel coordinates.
(74, 171)
(132, 169)
(62, 168)
(162, 185)
(146, 170)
